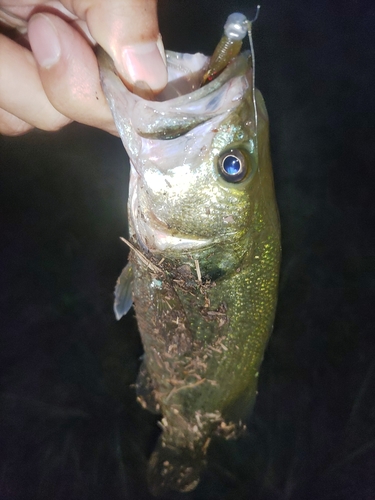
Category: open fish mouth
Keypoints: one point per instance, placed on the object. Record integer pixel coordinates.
(182, 105)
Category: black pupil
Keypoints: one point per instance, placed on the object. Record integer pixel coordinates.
(231, 165)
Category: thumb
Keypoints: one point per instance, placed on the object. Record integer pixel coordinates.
(128, 30)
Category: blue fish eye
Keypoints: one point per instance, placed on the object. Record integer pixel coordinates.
(233, 165)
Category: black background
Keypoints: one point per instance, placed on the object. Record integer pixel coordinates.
(70, 427)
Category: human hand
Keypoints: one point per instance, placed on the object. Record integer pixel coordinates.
(57, 82)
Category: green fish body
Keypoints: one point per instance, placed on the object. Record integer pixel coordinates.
(205, 253)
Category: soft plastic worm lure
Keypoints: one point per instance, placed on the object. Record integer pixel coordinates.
(230, 44)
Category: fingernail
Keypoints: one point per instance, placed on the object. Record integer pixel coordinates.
(160, 45)
(144, 62)
(44, 41)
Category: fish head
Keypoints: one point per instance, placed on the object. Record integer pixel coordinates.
(195, 155)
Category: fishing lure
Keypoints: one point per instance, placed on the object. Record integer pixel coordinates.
(235, 30)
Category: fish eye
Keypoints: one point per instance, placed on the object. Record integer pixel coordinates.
(233, 165)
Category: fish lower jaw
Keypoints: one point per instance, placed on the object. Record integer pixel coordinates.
(165, 241)
(160, 240)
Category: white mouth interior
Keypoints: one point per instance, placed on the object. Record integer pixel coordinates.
(185, 74)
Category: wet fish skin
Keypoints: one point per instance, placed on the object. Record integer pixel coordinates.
(205, 262)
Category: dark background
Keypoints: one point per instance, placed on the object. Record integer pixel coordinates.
(70, 427)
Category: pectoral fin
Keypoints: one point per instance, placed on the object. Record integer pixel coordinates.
(123, 292)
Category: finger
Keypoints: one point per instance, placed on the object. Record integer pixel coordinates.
(128, 30)
(11, 125)
(21, 91)
(69, 72)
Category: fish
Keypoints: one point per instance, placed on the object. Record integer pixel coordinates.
(204, 238)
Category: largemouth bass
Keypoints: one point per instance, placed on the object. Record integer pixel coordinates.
(205, 251)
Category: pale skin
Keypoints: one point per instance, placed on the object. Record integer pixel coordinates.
(57, 81)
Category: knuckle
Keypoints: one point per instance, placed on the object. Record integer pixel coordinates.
(50, 119)
(11, 125)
